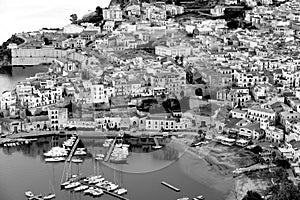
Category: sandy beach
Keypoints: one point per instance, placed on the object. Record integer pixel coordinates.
(212, 165)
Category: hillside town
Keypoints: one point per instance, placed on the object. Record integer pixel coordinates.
(166, 68)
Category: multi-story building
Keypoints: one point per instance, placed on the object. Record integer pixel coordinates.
(173, 51)
(274, 134)
(165, 122)
(58, 117)
(260, 114)
(101, 93)
(113, 13)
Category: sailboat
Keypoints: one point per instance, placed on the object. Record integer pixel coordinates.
(51, 195)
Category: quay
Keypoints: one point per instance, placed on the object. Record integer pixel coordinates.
(111, 148)
(170, 186)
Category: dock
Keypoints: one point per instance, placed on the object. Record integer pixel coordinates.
(170, 186)
(74, 147)
(107, 192)
(111, 148)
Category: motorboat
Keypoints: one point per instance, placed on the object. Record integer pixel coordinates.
(29, 194)
(64, 184)
(49, 196)
(76, 160)
(81, 188)
(183, 198)
(56, 152)
(55, 159)
(89, 190)
(121, 191)
(72, 185)
(112, 187)
(99, 158)
(97, 192)
(80, 153)
(200, 197)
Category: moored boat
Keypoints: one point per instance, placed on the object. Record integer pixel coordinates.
(49, 196)
(29, 194)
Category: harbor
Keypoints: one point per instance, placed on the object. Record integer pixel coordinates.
(37, 171)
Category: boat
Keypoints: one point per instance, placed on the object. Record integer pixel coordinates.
(97, 192)
(55, 159)
(112, 187)
(99, 158)
(72, 185)
(76, 160)
(89, 190)
(64, 184)
(81, 188)
(183, 198)
(80, 153)
(121, 191)
(200, 197)
(37, 197)
(49, 196)
(29, 194)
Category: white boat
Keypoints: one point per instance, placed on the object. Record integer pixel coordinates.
(76, 160)
(183, 198)
(55, 159)
(97, 192)
(98, 158)
(64, 184)
(121, 191)
(49, 196)
(89, 190)
(72, 185)
(100, 155)
(112, 187)
(29, 194)
(200, 197)
(81, 188)
(80, 153)
(106, 145)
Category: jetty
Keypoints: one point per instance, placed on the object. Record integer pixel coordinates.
(170, 186)
(111, 148)
(106, 192)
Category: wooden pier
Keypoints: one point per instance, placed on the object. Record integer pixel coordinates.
(111, 148)
(170, 186)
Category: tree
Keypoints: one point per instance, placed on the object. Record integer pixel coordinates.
(74, 18)
(99, 11)
(252, 195)
(257, 149)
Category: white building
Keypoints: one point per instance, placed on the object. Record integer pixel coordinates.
(113, 13)
(274, 134)
(72, 29)
(173, 51)
(101, 93)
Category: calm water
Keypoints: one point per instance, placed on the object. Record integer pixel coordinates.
(8, 80)
(23, 168)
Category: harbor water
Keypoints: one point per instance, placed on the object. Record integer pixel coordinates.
(23, 168)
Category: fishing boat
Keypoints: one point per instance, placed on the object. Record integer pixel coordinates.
(49, 196)
(29, 194)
